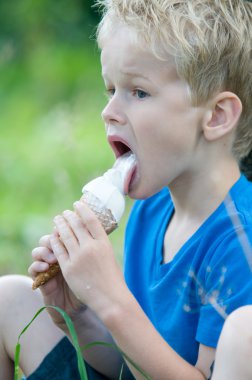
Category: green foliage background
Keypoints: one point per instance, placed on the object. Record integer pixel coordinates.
(52, 136)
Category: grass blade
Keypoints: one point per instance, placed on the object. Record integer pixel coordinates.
(16, 362)
(69, 323)
(74, 338)
(121, 372)
(18, 345)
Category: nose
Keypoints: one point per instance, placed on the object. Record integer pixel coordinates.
(113, 112)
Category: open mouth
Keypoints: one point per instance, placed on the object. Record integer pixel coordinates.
(119, 146)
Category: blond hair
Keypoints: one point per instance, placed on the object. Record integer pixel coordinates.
(211, 41)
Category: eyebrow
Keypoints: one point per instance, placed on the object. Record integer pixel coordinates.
(131, 74)
(135, 74)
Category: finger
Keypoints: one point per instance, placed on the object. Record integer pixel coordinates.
(77, 226)
(43, 254)
(37, 267)
(44, 241)
(66, 234)
(90, 220)
(58, 248)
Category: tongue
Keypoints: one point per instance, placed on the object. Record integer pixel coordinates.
(122, 171)
(110, 188)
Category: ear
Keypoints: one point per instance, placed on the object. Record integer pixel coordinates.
(223, 116)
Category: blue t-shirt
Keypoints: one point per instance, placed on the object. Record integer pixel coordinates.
(188, 298)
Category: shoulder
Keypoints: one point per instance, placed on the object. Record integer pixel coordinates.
(239, 200)
(225, 239)
(228, 243)
(234, 216)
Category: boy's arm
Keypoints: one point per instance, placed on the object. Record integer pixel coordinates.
(137, 337)
(89, 328)
(109, 362)
(88, 264)
(105, 360)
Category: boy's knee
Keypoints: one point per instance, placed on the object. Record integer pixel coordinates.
(241, 319)
(12, 286)
(234, 348)
(16, 293)
(241, 315)
(237, 328)
(14, 279)
(19, 303)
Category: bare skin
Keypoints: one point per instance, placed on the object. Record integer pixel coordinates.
(234, 352)
(18, 305)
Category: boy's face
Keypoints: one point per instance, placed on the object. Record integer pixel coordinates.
(149, 112)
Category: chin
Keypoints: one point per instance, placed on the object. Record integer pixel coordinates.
(140, 193)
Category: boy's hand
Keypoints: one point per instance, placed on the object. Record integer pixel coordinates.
(43, 257)
(56, 292)
(86, 258)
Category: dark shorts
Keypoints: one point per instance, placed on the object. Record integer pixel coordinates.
(61, 364)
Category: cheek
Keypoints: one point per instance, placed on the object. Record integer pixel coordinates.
(163, 128)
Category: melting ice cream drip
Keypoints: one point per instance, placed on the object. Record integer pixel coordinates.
(109, 189)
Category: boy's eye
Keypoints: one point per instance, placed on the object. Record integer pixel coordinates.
(140, 94)
(110, 92)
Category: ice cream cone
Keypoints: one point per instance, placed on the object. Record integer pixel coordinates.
(108, 222)
(105, 197)
(43, 277)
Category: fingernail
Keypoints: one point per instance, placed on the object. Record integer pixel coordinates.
(67, 212)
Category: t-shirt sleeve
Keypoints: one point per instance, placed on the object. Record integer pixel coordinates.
(227, 283)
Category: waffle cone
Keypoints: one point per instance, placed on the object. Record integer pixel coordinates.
(108, 222)
(43, 277)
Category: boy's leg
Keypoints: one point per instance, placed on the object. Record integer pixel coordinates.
(19, 303)
(234, 351)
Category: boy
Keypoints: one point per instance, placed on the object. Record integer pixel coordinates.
(178, 77)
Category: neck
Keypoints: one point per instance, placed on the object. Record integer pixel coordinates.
(197, 196)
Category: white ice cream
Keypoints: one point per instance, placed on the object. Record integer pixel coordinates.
(110, 188)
